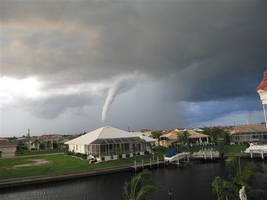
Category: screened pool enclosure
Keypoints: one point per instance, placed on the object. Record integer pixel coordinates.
(105, 147)
(110, 143)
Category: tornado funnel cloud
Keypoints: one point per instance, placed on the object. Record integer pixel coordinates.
(109, 100)
(120, 85)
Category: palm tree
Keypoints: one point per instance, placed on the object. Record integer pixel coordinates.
(37, 144)
(156, 135)
(184, 138)
(139, 187)
(224, 190)
(239, 175)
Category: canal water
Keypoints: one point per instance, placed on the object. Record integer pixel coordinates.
(192, 182)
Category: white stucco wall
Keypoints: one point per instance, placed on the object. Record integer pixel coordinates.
(77, 148)
(263, 96)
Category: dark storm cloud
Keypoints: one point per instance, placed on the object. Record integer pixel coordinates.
(52, 107)
(198, 50)
(154, 38)
(209, 110)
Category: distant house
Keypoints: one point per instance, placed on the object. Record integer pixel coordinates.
(171, 137)
(249, 134)
(150, 141)
(7, 149)
(108, 143)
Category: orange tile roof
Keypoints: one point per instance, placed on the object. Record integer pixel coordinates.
(174, 134)
(263, 84)
(171, 135)
(249, 128)
(145, 130)
(194, 134)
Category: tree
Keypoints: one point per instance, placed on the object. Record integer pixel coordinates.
(49, 145)
(43, 145)
(224, 190)
(184, 138)
(55, 145)
(217, 135)
(37, 144)
(20, 146)
(238, 175)
(139, 187)
(156, 134)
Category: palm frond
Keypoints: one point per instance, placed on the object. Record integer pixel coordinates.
(145, 190)
(139, 187)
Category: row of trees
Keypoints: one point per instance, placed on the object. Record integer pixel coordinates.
(38, 145)
(217, 135)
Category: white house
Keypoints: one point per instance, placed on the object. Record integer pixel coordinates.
(108, 143)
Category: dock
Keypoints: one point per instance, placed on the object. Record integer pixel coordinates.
(257, 151)
(186, 156)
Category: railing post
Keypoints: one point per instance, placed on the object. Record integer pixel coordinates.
(135, 166)
(211, 155)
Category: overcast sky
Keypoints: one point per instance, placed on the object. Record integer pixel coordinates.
(167, 63)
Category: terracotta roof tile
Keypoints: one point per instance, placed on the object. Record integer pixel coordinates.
(174, 134)
(249, 128)
(263, 84)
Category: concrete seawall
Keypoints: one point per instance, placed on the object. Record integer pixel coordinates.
(14, 182)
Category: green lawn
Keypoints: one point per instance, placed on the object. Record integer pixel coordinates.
(60, 164)
(232, 149)
(63, 164)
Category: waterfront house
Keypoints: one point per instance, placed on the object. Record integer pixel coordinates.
(249, 134)
(7, 149)
(108, 143)
(172, 137)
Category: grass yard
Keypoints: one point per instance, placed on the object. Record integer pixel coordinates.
(60, 164)
(64, 164)
(232, 149)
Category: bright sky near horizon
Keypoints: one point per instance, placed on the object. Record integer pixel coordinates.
(139, 64)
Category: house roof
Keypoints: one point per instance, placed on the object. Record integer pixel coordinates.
(263, 84)
(194, 134)
(143, 136)
(105, 132)
(249, 129)
(173, 135)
